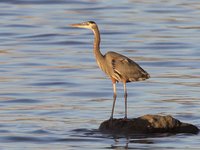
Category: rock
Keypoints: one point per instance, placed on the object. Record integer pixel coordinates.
(147, 124)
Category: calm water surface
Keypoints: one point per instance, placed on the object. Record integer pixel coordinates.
(53, 95)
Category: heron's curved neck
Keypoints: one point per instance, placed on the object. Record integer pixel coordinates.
(97, 40)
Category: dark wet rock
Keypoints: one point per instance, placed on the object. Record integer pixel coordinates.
(147, 124)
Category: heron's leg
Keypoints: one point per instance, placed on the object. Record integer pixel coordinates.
(125, 99)
(114, 99)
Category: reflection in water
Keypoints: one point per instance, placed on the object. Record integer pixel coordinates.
(131, 141)
(50, 83)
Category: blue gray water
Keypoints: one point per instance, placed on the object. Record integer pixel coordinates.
(53, 95)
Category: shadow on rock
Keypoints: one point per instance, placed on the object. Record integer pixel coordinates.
(147, 124)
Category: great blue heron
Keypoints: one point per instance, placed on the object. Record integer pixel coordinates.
(118, 67)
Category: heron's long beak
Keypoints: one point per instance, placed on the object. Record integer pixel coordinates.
(76, 25)
(80, 25)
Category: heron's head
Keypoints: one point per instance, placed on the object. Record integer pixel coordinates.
(88, 25)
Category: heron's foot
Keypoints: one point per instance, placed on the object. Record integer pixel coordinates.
(111, 121)
(125, 118)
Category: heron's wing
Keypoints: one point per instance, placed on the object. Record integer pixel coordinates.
(126, 69)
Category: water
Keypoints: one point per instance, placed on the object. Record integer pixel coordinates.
(53, 95)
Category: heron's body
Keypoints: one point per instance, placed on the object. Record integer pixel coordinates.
(122, 69)
(118, 67)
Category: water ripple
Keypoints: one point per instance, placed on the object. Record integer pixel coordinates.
(20, 101)
(53, 83)
(38, 2)
(54, 96)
